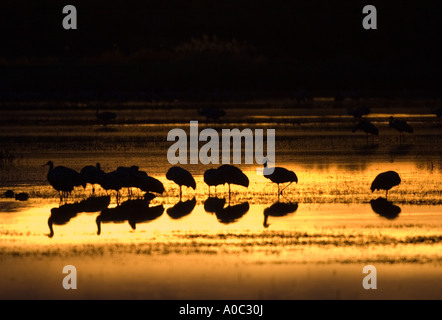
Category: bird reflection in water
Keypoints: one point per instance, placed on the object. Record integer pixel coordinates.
(181, 209)
(64, 213)
(279, 209)
(225, 215)
(385, 208)
(132, 211)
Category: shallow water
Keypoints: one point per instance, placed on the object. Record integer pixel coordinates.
(311, 242)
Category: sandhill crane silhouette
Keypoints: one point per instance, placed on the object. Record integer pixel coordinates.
(358, 112)
(280, 175)
(181, 209)
(112, 181)
(385, 181)
(144, 182)
(213, 114)
(385, 208)
(279, 209)
(367, 127)
(181, 177)
(9, 194)
(105, 117)
(232, 175)
(92, 175)
(64, 179)
(401, 126)
(22, 196)
(211, 178)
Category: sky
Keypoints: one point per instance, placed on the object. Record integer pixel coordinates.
(274, 46)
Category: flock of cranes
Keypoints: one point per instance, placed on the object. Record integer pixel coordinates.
(64, 179)
(370, 129)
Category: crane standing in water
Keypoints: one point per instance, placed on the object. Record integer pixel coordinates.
(385, 181)
(280, 175)
(181, 177)
(64, 179)
(401, 126)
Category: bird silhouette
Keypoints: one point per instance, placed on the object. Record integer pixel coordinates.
(63, 179)
(358, 112)
(278, 209)
(367, 127)
(112, 181)
(385, 208)
(144, 182)
(385, 181)
(211, 113)
(92, 175)
(9, 194)
(280, 175)
(21, 196)
(105, 117)
(211, 178)
(401, 126)
(231, 175)
(181, 177)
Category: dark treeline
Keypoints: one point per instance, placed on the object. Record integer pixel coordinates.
(226, 46)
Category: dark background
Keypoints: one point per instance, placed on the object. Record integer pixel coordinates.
(219, 49)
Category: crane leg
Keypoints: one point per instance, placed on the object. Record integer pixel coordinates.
(286, 186)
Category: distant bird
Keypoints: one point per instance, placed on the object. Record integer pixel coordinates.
(92, 175)
(232, 175)
(9, 194)
(358, 112)
(280, 175)
(401, 126)
(367, 127)
(437, 111)
(181, 177)
(211, 113)
(211, 178)
(22, 196)
(385, 181)
(64, 179)
(105, 116)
